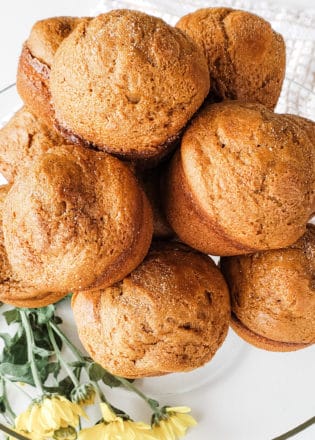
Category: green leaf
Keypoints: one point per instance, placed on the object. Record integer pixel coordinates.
(110, 380)
(12, 316)
(96, 372)
(77, 364)
(7, 339)
(54, 368)
(42, 352)
(45, 314)
(65, 387)
(17, 373)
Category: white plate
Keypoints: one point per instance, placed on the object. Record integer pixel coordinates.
(243, 394)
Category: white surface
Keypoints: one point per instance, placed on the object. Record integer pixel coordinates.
(260, 394)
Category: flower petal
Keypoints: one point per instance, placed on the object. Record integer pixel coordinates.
(107, 413)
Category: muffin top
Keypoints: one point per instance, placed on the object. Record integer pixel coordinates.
(252, 172)
(46, 36)
(22, 139)
(72, 219)
(273, 292)
(127, 82)
(170, 314)
(12, 290)
(246, 58)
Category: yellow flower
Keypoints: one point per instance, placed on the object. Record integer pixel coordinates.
(83, 395)
(174, 426)
(43, 418)
(116, 428)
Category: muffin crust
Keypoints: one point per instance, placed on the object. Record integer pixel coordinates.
(273, 295)
(35, 61)
(76, 219)
(127, 83)
(245, 177)
(170, 314)
(22, 139)
(246, 58)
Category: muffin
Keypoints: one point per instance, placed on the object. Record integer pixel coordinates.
(12, 290)
(273, 295)
(243, 181)
(76, 219)
(35, 61)
(22, 139)
(170, 314)
(246, 57)
(153, 187)
(127, 83)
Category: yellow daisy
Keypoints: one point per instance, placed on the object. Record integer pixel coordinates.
(174, 426)
(83, 395)
(45, 417)
(116, 428)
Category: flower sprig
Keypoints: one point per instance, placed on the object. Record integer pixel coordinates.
(58, 389)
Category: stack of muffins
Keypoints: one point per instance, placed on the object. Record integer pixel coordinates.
(134, 129)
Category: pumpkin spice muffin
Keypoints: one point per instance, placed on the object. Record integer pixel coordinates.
(243, 181)
(171, 314)
(75, 220)
(127, 83)
(12, 290)
(35, 61)
(246, 57)
(22, 139)
(273, 295)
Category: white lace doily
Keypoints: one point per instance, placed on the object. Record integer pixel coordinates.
(296, 26)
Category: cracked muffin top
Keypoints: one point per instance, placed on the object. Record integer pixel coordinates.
(127, 83)
(170, 314)
(22, 139)
(75, 219)
(273, 292)
(246, 58)
(251, 172)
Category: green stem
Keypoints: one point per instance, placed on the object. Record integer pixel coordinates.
(12, 433)
(65, 339)
(152, 403)
(60, 358)
(296, 430)
(123, 381)
(78, 355)
(13, 384)
(9, 411)
(30, 355)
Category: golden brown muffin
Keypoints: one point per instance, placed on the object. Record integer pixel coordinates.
(127, 83)
(153, 187)
(273, 295)
(75, 220)
(243, 181)
(12, 290)
(246, 57)
(22, 139)
(35, 61)
(170, 314)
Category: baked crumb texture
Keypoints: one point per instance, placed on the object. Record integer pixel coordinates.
(273, 295)
(170, 314)
(242, 181)
(246, 57)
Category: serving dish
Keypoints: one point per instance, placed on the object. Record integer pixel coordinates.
(242, 394)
